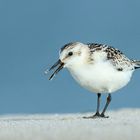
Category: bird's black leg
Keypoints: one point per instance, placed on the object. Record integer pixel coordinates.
(98, 105)
(97, 114)
(106, 105)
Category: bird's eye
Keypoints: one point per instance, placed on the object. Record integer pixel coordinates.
(70, 53)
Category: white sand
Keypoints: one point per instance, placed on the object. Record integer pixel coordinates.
(122, 125)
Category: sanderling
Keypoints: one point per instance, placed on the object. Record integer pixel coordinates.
(96, 67)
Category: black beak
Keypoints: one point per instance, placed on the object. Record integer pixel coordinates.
(60, 66)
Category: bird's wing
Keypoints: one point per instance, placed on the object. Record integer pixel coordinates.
(116, 57)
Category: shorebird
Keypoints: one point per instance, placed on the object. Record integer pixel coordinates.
(99, 68)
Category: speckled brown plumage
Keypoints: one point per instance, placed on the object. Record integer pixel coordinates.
(117, 58)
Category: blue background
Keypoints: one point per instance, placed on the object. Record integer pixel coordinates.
(33, 31)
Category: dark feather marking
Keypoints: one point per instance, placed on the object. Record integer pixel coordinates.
(114, 55)
(120, 69)
(68, 45)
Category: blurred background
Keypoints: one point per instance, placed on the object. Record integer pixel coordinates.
(33, 31)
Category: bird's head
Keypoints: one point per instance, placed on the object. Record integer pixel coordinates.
(70, 55)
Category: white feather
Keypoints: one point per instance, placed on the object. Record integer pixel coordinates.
(98, 75)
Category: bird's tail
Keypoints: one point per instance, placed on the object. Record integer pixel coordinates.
(136, 63)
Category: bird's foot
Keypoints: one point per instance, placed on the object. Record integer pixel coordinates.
(103, 116)
(96, 115)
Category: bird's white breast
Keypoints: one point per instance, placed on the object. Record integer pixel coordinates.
(101, 77)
